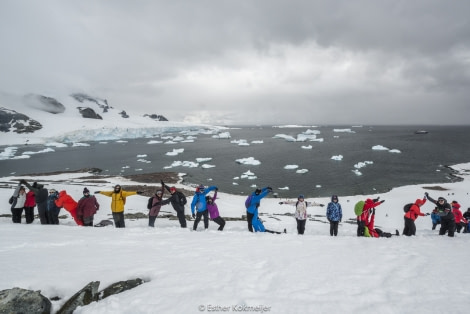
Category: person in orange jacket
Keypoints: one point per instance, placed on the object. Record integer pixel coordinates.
(70, 205)
(411, 215)
(460, 221)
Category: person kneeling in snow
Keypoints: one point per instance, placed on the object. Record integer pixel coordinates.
(370, 231)
(256, 222)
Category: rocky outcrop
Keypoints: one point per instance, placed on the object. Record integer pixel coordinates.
(47, 104)
(156, 117)
(83, 297)
(119, 287)
(12, 121)
(102, 103)
(19, 300)
(89, 113)
(124, 114)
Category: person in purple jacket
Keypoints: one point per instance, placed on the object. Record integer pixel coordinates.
(214, 210)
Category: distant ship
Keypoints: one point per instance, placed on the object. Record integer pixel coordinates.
(421, 132)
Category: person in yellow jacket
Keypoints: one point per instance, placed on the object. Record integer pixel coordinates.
(118, 200)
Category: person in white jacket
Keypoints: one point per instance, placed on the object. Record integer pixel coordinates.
(301, 211)
(17, 206)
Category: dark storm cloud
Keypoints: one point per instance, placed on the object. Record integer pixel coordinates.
(313, 62)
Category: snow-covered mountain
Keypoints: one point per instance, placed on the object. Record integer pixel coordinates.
(36, 118)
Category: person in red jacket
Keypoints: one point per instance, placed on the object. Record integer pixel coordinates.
(411, 215)
(29, 206)
(460, 221)
(371, 231)
(70, 205)
(86, 208)
(363, 219)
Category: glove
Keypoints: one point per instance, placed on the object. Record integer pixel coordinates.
(321, 205)
(194, 216)
(161, 181)
(140, 192)
(382, 201)
(426, 194)
(280, 203)
(375, 200)
(216, 188)
(269, 188)
(427, 214)
(97, 192)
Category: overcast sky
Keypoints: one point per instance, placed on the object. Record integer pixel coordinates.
(239, 62)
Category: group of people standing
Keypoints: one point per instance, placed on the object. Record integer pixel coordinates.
(203, 206)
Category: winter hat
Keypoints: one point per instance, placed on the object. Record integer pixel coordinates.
(419, 202)
(455, 205)
(258, 191)
(301, 196)
(52, 191)
(441, 199)
(159, 192)
(172, 189)
(201, 188)
(35, 185)
(85, 190)
(334, 197)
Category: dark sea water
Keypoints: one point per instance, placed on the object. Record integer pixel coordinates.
(422, 159)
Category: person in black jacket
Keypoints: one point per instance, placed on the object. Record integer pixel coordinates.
(444, 210)
(177, 200)
(40, 195)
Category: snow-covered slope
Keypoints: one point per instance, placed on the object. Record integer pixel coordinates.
(65, 123)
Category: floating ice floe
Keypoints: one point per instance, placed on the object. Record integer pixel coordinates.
(357, 172)
(248, 161)
(55, 144)
(395, 151)
(175, 152)
(248, 175)
(343, 131)
(307, 147)
(286, 137)
(338, 157)
(187, 164)
(222, 135)
(318, 186)
(362, 164)
(47, 150)
(240, 142)
(257, 142)
(234, 183)
(122, 141)
(154, 142)
(141, 156)
(78, 144)
(138, 169)
(284, 188)
(301, 171)
(289, 167)
(203, 159)
(171, 142)
(236, 178)
(379, 147)
(207, 166)
(143, 160)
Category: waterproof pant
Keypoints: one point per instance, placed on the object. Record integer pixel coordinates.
(53, 216)
(16, 215)
(181, 218)
(301, 225)
(249, 220)
(360, 228)
(198, 219)
(334, 228)
(410, 227)
(152, 221)
(447, 225)
(119, 220)
(42, 213)
(29, 214)
(88, 221)
(220, 221)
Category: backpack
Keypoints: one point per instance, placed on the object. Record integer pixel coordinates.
(407, 207)
(182, 198)
(150, 203)
(359, 207)
(248, 201)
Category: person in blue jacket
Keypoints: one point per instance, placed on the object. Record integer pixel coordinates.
(435, 218)
(334, 214)
(199, 205)
(254, 202)
(256, 223)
